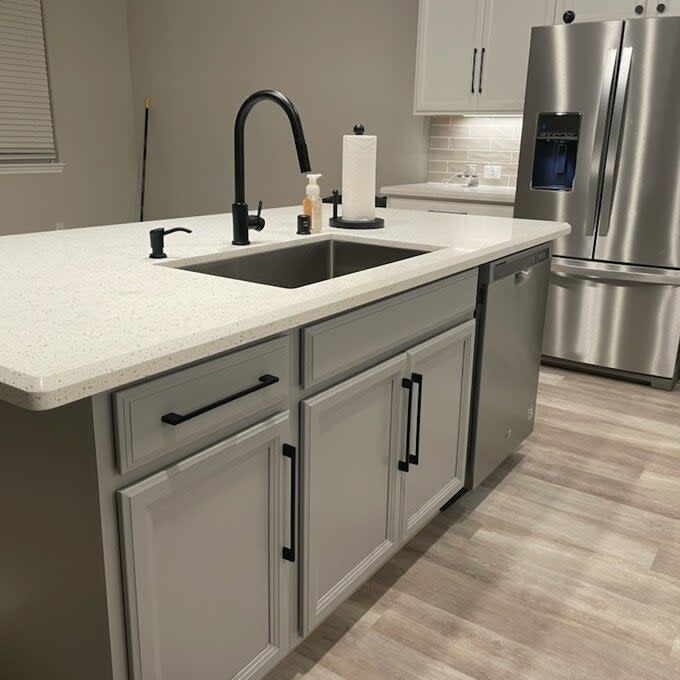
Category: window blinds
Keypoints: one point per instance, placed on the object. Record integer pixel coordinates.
(26, 129)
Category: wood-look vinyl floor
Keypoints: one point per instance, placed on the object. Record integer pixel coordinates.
(565, 564)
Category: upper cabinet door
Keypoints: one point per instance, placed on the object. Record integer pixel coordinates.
(448, 56)
(441, 374)
(202, 555)
(599, 10)
(502, 72)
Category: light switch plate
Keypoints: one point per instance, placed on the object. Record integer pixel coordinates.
(492, 171)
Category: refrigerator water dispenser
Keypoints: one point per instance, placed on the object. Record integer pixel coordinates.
(557, 136)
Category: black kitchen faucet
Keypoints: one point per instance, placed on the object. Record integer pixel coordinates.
(242, 220)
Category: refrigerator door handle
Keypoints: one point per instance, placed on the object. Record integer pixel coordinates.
(611, 167)
(599, 149)
(611, 273)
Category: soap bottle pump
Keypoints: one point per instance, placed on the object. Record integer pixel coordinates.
(312, 204)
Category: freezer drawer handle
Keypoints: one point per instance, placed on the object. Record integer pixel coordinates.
(290, 452)
(407, 384)
(669, 278)
(418, 380)
(178, 419)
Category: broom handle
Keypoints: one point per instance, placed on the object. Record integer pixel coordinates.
(147, 106)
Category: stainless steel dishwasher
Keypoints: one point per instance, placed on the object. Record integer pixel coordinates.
(510, 314)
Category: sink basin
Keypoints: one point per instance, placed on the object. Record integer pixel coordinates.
(301, 265)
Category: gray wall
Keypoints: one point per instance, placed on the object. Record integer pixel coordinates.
(340, 63)
(92, 100)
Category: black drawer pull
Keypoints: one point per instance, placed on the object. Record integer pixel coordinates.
(177, 419)
(289, 451)
(403, 464)
(418, 380)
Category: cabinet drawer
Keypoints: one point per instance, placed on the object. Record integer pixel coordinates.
(360, 336)
(165, 414)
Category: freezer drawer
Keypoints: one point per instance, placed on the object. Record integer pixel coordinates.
(614, 316)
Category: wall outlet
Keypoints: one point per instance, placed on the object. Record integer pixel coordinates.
(492, 172)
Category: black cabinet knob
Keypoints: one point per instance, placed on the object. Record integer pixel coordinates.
(661, 8)
(639, 9)
(569, 16)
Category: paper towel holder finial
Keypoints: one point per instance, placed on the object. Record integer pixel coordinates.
(359, 129)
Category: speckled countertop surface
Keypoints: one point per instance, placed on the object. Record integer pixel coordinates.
(452, 192)
(86, 310)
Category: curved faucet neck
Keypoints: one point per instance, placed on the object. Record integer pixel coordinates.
(239, 129)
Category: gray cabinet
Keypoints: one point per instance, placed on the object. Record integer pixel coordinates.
(441, 375)
(361, 499)
(350, 447)
(203, 561)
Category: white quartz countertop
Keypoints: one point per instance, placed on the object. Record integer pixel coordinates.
(86, 310)
(452, 192)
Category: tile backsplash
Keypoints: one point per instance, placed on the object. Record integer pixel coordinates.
(456, 141)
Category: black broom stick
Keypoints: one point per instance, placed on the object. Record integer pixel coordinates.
(147, 106)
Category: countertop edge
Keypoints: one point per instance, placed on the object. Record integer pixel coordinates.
(49, 392)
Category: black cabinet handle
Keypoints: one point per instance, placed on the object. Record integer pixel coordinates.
(178, 419)
(474, 66)
(569, 16)
(408, 385)
(417, 378)
(639, 9)
(481, 70)
(289, 451)
(661, 8)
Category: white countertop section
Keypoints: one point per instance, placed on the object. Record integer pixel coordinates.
(86, 310)
(452, 192)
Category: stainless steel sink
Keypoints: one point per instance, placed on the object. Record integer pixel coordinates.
(301, 265)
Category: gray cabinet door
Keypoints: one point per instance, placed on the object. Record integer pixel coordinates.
(202, 558)
(441, 370)
(349, 457)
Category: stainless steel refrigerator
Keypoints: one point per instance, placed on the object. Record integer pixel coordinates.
(601, 150)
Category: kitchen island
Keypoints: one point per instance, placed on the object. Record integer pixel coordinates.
(198, 469)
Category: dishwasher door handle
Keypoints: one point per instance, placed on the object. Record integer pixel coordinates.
(524, 276)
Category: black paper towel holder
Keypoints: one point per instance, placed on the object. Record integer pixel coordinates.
(341, 223)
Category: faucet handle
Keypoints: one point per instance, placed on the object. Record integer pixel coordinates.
(256, 222)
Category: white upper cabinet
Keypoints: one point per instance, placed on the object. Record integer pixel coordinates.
(506, 37)
(568, 11)
(448, 55)
(599, 10)
(472, 54)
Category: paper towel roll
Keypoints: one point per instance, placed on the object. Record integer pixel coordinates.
(358, 177)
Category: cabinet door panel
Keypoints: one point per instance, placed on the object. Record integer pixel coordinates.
(448, 33)
(506, 40)
(445, 364)
(600, 10)
(202, 548)
(349, 440)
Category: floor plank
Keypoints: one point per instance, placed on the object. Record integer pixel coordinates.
(564, 565)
